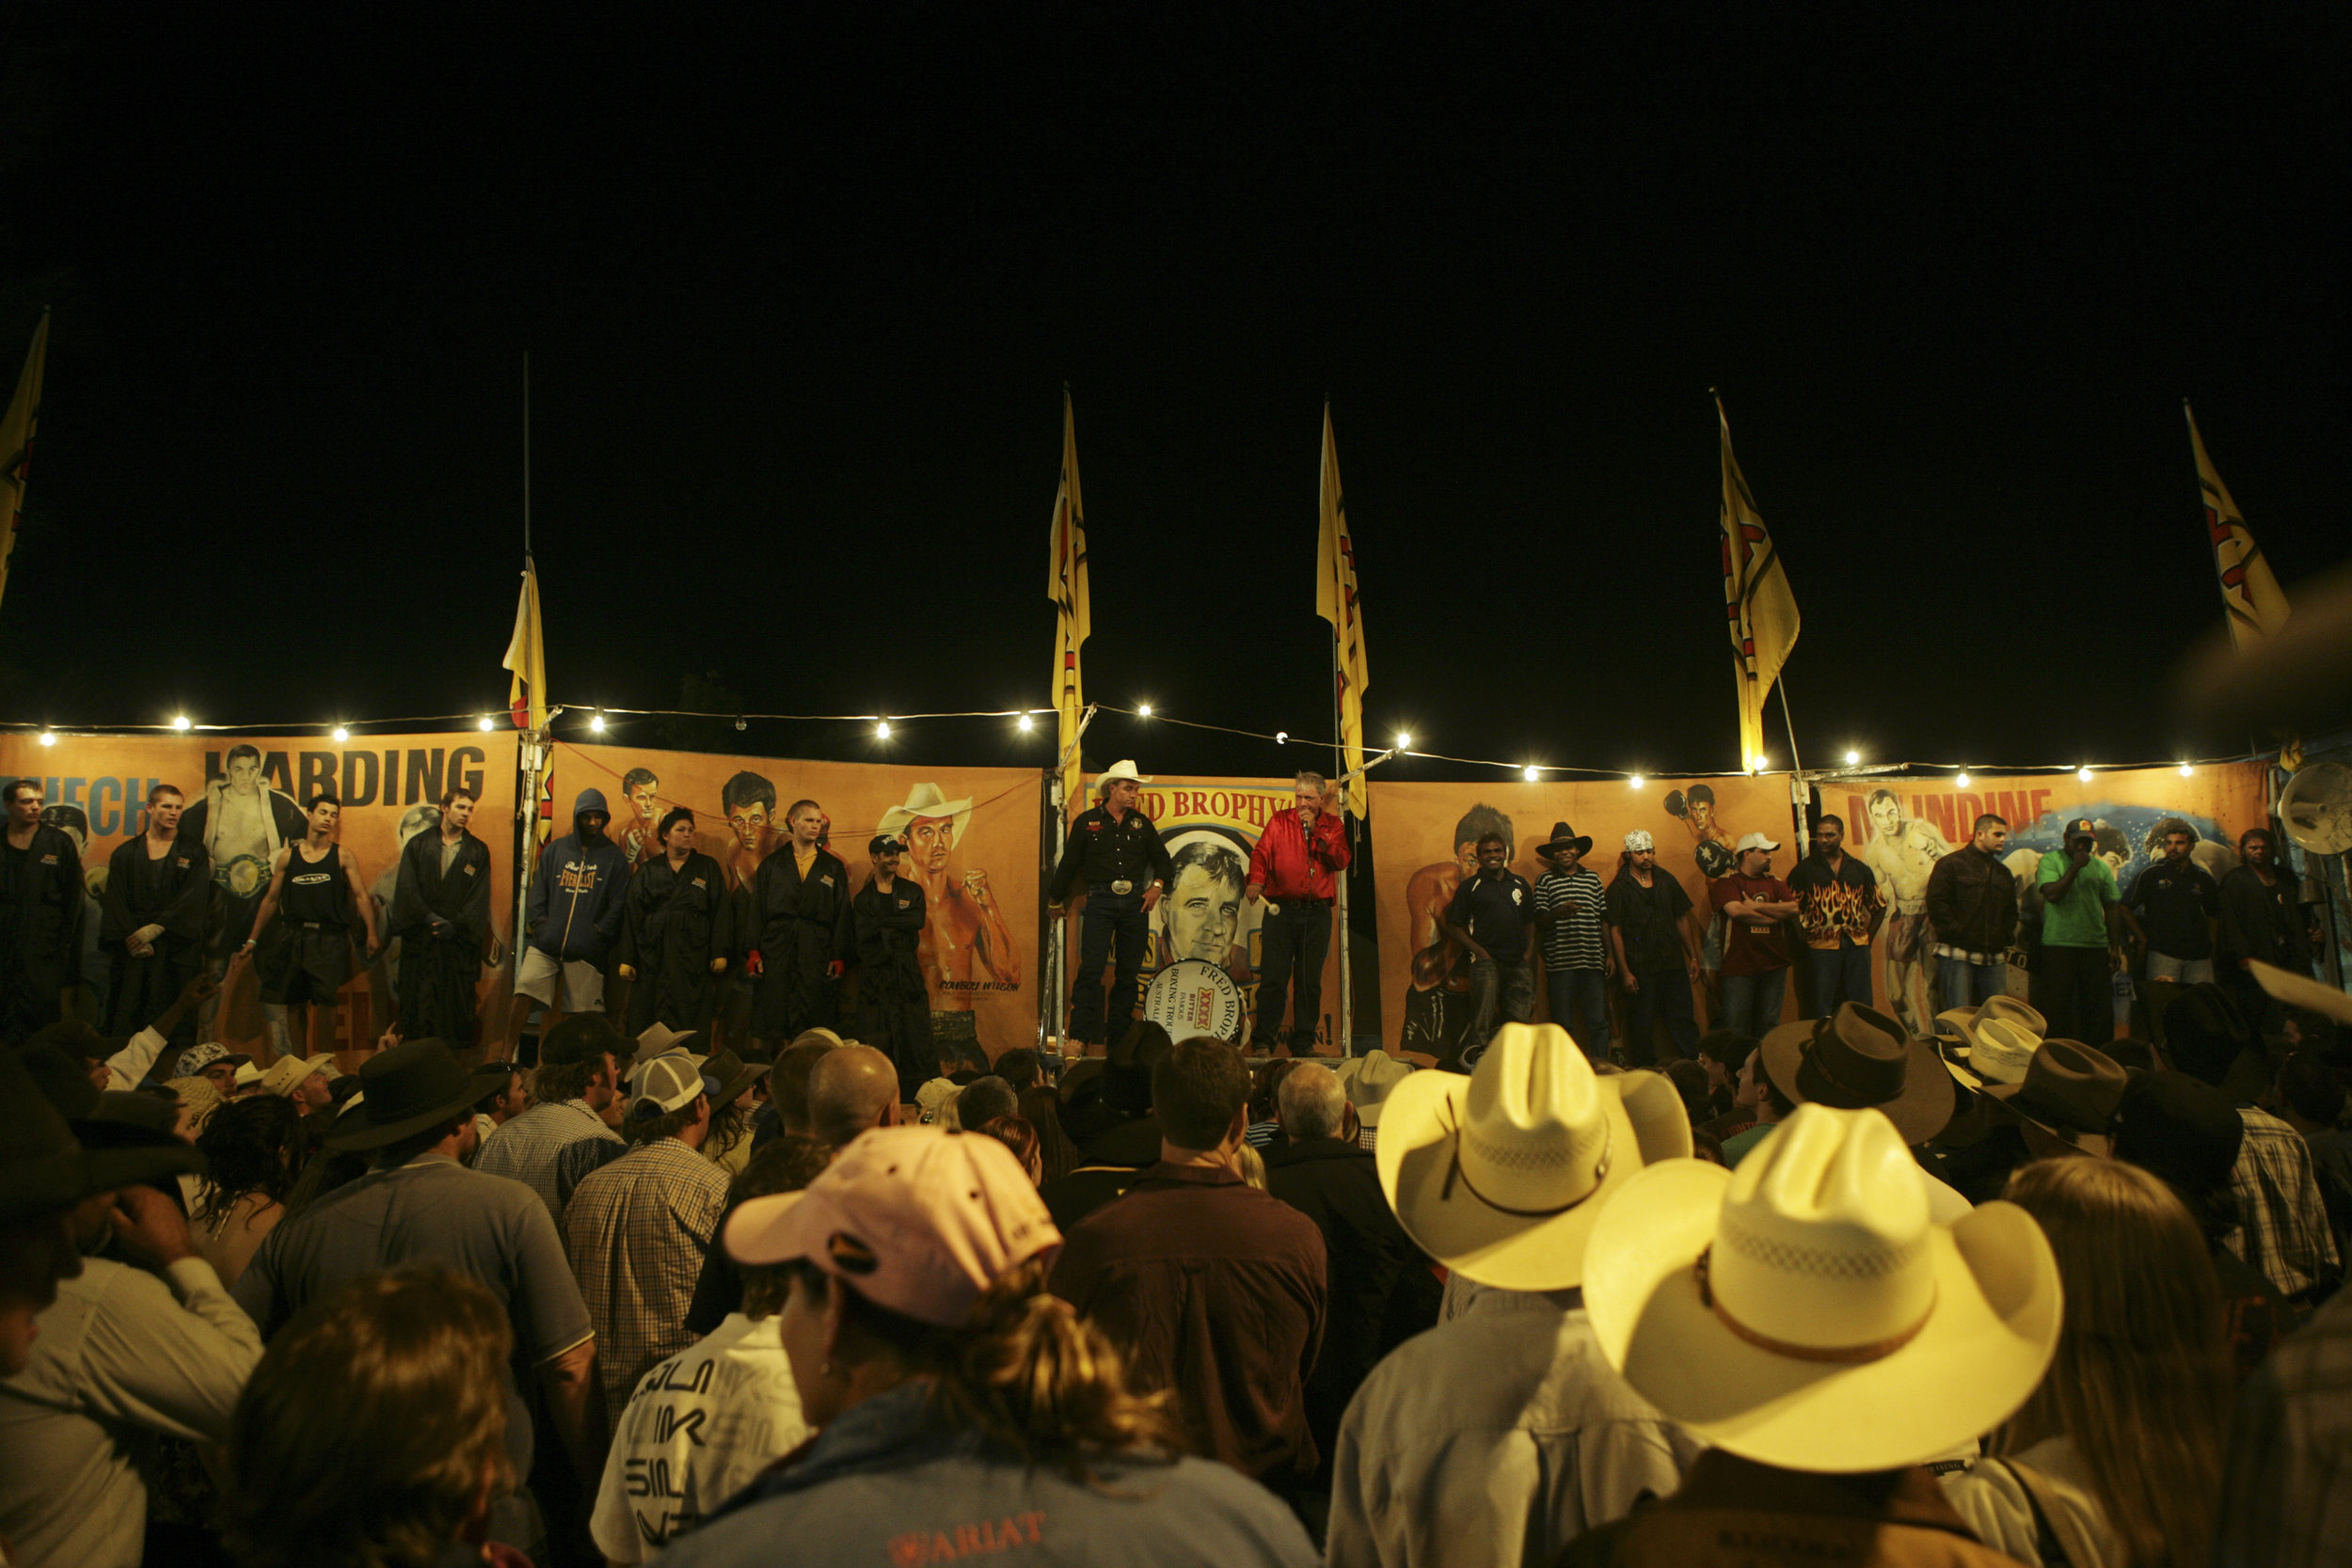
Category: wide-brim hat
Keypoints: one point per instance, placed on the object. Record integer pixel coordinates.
(1501, 1175)
(1858, 1057)
(2300, 990)
(1368, 1080)
(1565, 837)
(2067, 1099)
(287, 1073)
(408, 1088)
(2003, 1052)
(44, 1168)
(1123, 768)
(732, 1074)
(1664, 1317)
(657, 1037)
(928, 800)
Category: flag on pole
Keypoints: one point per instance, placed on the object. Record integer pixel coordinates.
(1066, 585)
(2251, 599)
(526, 656)
(1335, 601)
(16, 444)
(1762, 610)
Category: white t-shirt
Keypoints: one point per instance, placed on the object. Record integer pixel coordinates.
(699, 1428)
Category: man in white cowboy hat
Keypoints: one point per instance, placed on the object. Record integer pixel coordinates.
(962, 924)
(1807, 1317)
(1115, 855)
(1505, 1428)
(1368, 1081)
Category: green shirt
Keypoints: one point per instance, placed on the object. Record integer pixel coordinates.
(1736, 1147)
(2080, 920)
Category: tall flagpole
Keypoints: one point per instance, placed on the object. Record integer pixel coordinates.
(527, 753)
(1347, 1041)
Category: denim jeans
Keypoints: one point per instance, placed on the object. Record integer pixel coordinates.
(1292, 943)
(1580, 1004)
(1837, 974)
(1664, 997)
(1108, 915)
(1500, 993)
(1752, 1002)
(1966, 983)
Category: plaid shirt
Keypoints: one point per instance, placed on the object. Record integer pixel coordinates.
(525, 1149)
(2285, 1500)
(2282, 1222)
(637, 1231)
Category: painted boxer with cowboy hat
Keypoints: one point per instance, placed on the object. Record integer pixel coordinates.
(1506, 1428)
(1807, 1317)
(963, 926)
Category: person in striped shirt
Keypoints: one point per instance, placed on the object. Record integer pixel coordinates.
(1571, 913)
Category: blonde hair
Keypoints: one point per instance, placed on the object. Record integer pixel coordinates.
(1252, 1166)
(1023, 1369)
(2141, 1381)
(372, 1426)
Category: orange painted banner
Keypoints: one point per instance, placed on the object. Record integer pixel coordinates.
(95, 789)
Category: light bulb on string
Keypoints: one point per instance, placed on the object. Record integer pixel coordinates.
(1024, 723)
(1404, 741)
(1528, 773)
(484, 725)
(2187, 770)
(596, 724)
(1962, 780)
(179, 721)
(1282, 738)
(1143, 710)
(881, 730)
(1854, 759)
(49, 738)
(1635, 782)
(2083, 774)
(340, 735)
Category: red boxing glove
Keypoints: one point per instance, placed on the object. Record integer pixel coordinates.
(832, 970)
(751, 963)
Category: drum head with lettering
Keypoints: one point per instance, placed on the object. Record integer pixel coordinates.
(1193, 996)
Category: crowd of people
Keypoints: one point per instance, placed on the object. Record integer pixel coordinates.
(2014, 1288)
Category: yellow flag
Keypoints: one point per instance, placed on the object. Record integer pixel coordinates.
(1066, 585)
(2251, 599)
(1335, 601)
(526, 655)
(1762, 610)
(16, 444)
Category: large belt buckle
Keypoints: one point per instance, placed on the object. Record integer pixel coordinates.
(1122, 887)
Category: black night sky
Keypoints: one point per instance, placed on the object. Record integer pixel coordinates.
(801, 288)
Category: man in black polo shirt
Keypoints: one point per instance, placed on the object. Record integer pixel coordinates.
(1117, 854)
(1493, 914)
(2172, 910)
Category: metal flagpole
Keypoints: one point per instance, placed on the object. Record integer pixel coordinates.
(532, 743)
(1347, 994)
(1056, 956)
(1799, 794)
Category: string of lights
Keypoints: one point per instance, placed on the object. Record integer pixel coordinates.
(1026, 720)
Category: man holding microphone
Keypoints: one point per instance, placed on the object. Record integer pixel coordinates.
(1292, 869)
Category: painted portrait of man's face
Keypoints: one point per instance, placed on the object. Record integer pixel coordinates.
(643, 797)
(1886, 814)
(1702, 812)
(1204, 915)
(748, 821)
(929, 839)
(244, 774)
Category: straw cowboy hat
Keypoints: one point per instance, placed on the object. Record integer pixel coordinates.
(1123, 768)
(1858, 1057)
(1501, 1175)
(2067, 1098)
(2301, 990)
(1956, 1032)
(1805, 1310)
(926, 800)
(1368, 1080)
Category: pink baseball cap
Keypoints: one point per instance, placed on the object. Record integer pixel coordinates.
(921, 1220)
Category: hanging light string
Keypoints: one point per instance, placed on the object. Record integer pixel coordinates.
(1529, 772)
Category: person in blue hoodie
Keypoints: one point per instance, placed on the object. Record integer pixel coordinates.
(571, 919)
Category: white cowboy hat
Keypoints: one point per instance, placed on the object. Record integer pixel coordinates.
(2004, 1049)
(1501, 1175)
(2300, 990)
(928, 800)
(1955, 1032)
(1368, 1080)
(1806, 1310)
(1123, 768)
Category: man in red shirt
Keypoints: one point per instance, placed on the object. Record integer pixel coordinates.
(1753, 903)
(1291, 870)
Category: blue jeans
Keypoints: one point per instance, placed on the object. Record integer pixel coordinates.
(1108, 915)
(1664, 997)
(1752, 1002)
(1580, 1004)
(1837, 974)
(1966, 983)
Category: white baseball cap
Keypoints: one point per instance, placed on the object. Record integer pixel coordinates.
(670, 1082)
(1754, 840)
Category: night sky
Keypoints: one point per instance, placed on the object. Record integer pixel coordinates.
(801, 290)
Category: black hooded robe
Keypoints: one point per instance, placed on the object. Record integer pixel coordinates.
(175, 893)
(894, 1008)
(441, 972)
(673, 922)
(42, 899)
(803, 926)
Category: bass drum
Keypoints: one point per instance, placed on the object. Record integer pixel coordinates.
(1193, 996)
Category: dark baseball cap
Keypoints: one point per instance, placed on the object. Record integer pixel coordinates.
(2081, 828)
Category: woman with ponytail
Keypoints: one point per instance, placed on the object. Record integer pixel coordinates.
(961, 1408)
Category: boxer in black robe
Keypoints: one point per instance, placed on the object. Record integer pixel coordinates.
(894, 1009)
(40, 916)
(677, 932)
(800, 898)
(440, 914)
(159, 893)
